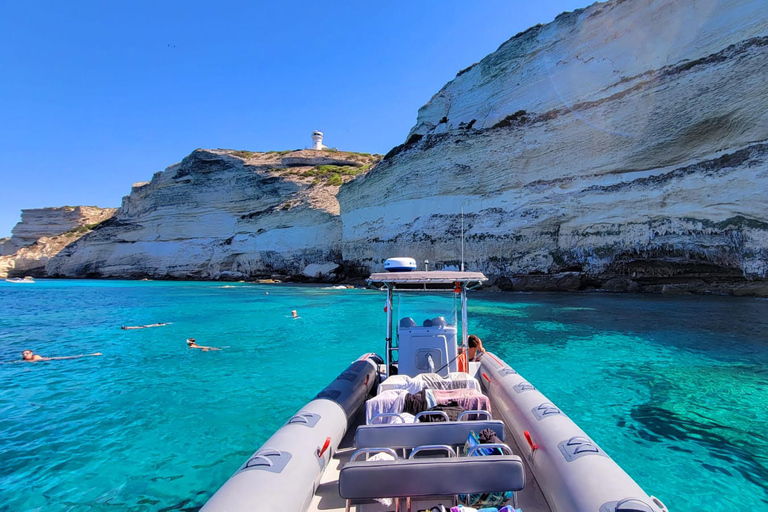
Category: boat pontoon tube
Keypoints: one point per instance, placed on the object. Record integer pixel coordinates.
(574, 473)
(283, 474)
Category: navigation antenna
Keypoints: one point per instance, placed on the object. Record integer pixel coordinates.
(462, 239)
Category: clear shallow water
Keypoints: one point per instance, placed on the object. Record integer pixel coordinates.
(674, 389)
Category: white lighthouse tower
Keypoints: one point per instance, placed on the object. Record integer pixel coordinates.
(317, 140)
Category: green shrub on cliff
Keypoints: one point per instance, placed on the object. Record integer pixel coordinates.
(244, 154)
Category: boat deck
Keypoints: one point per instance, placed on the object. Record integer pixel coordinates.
(327, 497)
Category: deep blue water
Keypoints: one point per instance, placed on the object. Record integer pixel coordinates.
(673, 388)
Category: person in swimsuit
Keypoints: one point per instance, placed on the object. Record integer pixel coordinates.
(475, 352)
(476, 349)
(30, 357)
(191, 343)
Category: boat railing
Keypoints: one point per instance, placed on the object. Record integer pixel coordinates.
(368, 451)
(505, 449)
(425, 414)
(465, 416)
(433, 448)
(386, 415)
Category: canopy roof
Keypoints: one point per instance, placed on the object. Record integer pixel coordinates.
(427, 277)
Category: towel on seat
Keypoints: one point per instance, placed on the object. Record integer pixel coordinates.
(391, 401)
(455, 380)
(469, 399)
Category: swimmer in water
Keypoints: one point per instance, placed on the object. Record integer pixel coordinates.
(128, 327)
(30, 357)
(191, 343)
(294, 314)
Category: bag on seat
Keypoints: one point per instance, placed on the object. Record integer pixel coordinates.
(490, 499)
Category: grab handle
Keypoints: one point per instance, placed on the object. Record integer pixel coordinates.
(367, 451)
(504, 448)
(321, 451)
(480, 413)
(442, 414)
(448, 449)
(387, 415)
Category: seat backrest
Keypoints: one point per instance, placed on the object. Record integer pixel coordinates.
(431, 477)
(410, 435)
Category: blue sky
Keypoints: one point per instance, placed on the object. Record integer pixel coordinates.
(97, 95)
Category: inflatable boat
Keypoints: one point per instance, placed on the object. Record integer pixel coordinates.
(422, 427)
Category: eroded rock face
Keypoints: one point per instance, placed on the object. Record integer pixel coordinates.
(222, 214)
(42, 233)
(625, 143)
(49, 222)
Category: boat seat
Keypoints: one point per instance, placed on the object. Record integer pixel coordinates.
(404, 478)
(410, 435)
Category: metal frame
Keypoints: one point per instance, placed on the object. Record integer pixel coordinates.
(480, 412)
(421, 414)
(501, 446)
(368, 451)
(433, 447)
(464, 281)
(386, 415)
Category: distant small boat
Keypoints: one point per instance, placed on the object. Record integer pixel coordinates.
(27, 279)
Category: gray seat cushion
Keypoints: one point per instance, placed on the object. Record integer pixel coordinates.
(431, 477)
(410, 435)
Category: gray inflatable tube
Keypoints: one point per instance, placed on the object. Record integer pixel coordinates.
(284, 472)
(574, 473)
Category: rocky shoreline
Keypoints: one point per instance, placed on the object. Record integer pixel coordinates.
(558, 282)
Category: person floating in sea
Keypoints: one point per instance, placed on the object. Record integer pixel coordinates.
(30, 357)
(128, 327)
(294, 314)
(191, 343)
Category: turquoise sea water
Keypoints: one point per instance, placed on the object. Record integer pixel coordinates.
(674, 389)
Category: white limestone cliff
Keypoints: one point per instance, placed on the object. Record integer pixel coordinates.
(622, 146)
(222, 214)
(37, 223)
(43, 233)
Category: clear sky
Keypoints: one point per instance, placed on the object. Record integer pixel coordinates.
(96, 95)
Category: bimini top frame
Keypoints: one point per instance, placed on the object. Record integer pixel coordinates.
(435, 277)
(458, 282)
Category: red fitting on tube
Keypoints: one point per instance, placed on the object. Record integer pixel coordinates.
(486, 377)
(321, 451)
(533, 446)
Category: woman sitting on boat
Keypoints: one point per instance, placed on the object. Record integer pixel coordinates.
(476, 351)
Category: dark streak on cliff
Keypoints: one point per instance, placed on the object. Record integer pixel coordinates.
(707, 167)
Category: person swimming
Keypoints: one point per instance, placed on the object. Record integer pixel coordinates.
(30, 357)
(128, 327)
(191, 343)
(294, 314)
